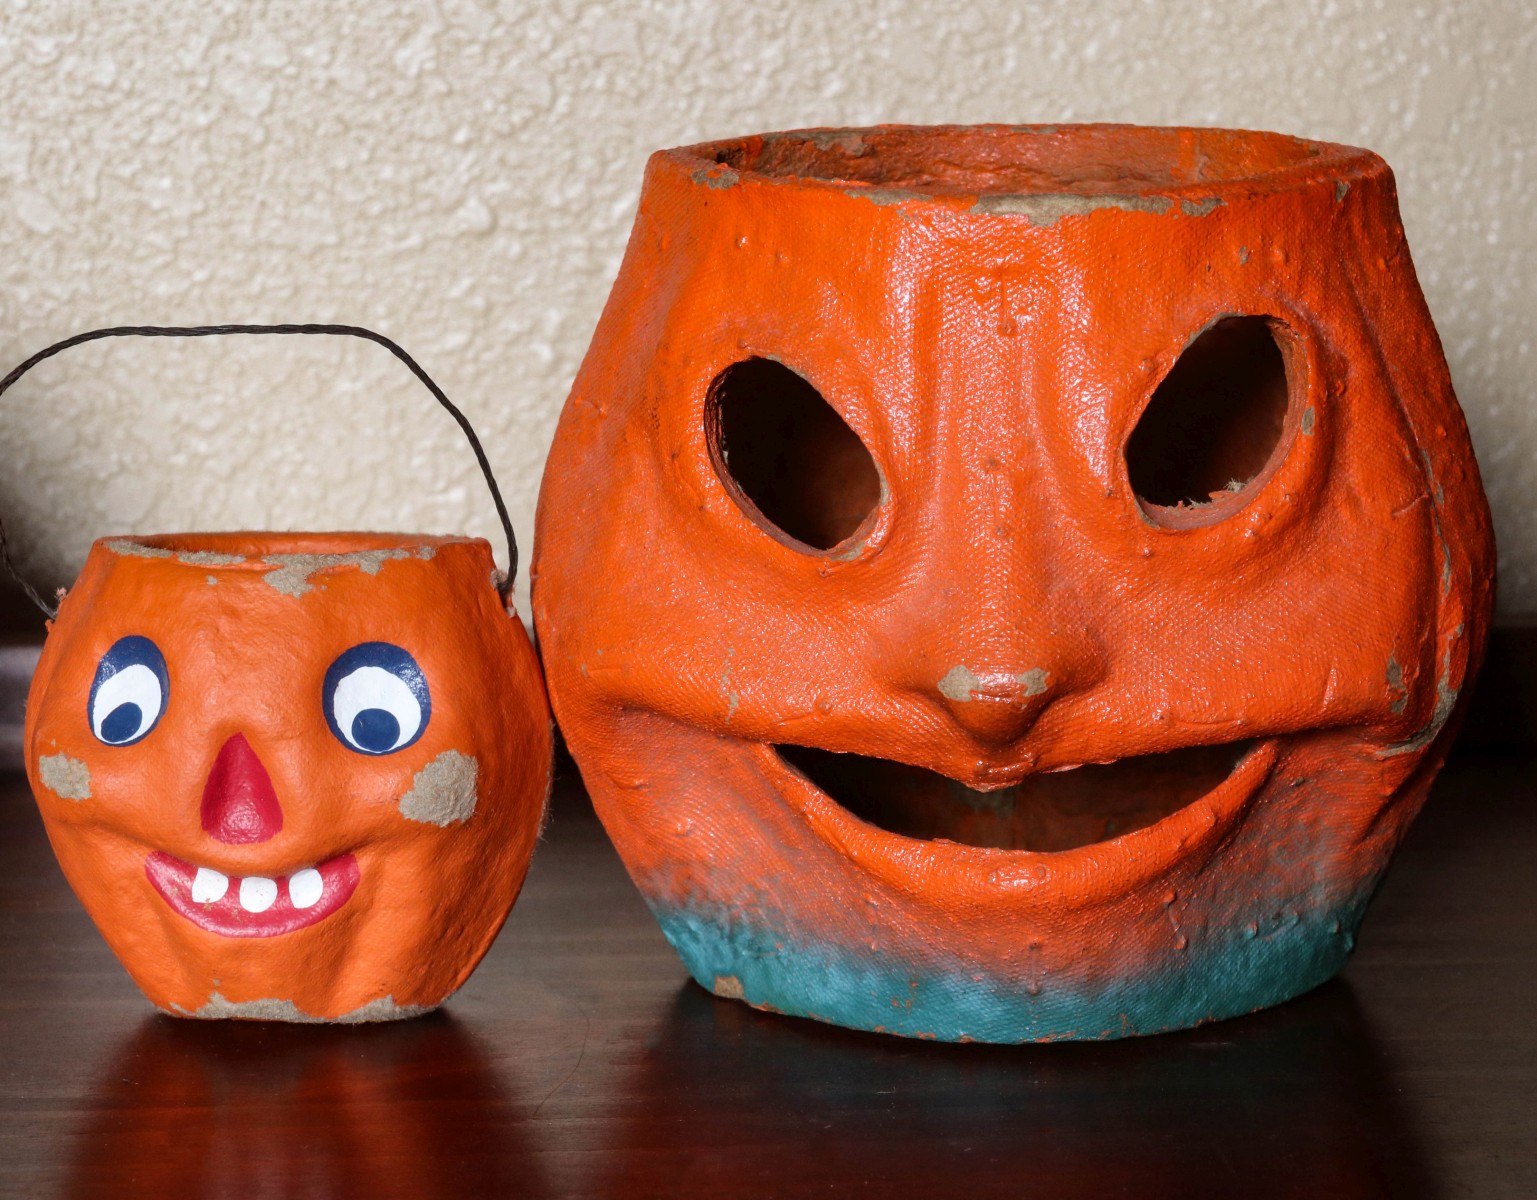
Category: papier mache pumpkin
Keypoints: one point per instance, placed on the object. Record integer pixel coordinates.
(292, 776)
(1012, 583)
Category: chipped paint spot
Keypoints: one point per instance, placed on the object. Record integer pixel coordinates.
(293, 572)
(132, 549)
(425, 553)
(958, 683)
(1243, 254)
(1435, 484)
(1446, 700)
(1309, 419)
(1396, 685)
(67, 778)
(1200, 208)
(733, 699)
(1036, 680)
(850, 141)
(728, 987)
(1048, 208)
(718, 178)
(193, 558)
(383, 1009)
(884, 196)
(210, 579)
(1341, 186)
(444, 791)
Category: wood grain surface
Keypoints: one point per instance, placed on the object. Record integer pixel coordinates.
(579, 1061)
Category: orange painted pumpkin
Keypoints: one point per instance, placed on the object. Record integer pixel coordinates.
(1012, 583)
(291, 776)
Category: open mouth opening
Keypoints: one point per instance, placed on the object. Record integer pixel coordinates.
(1061, 810)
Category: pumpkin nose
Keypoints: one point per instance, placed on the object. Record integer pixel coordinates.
(239, 804)
(995, 706)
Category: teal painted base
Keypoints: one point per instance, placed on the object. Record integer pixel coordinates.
(1228, 975)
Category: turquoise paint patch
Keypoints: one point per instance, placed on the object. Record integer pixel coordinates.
(1235, 972)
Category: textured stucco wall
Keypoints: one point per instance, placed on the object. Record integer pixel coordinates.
(462, 175)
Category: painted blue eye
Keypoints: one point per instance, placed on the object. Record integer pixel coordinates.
(129, 693)
(376, 699)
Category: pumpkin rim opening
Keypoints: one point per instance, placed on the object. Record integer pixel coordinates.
(260, 545)
(1107, 160)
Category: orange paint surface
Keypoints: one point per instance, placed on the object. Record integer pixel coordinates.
(991, 311)
(358, 883)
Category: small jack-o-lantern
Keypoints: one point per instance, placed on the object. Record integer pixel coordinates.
(291, 776)
(1012, 583)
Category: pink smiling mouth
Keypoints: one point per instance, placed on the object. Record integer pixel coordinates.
(255, 905)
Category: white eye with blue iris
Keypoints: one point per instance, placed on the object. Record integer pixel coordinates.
(129, 692)
(376, 699)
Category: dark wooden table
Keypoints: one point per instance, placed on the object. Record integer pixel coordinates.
(579, 1061)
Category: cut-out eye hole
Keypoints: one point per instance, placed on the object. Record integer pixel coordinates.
(787, 457)
(129, 692)
(1214, 422)
(376, 699)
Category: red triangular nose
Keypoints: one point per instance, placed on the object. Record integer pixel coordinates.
(239, 805)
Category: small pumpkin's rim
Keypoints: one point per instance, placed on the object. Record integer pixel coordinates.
(260, 547)
(988, 168)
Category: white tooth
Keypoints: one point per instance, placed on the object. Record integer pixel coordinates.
(209, 886)
(257, 893)
(304, 887)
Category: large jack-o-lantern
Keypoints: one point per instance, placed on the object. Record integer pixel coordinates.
(1012, 583)
(291, 776)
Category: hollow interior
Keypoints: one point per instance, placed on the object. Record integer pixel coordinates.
(996, 159)
(788, 453)
(1058, 811)
(1215, 421)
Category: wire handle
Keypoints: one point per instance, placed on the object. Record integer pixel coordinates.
(356, 331)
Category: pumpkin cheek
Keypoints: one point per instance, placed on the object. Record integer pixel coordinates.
(1096, 701)
(324, 821)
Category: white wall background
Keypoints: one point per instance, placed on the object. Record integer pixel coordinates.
(461, 174)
